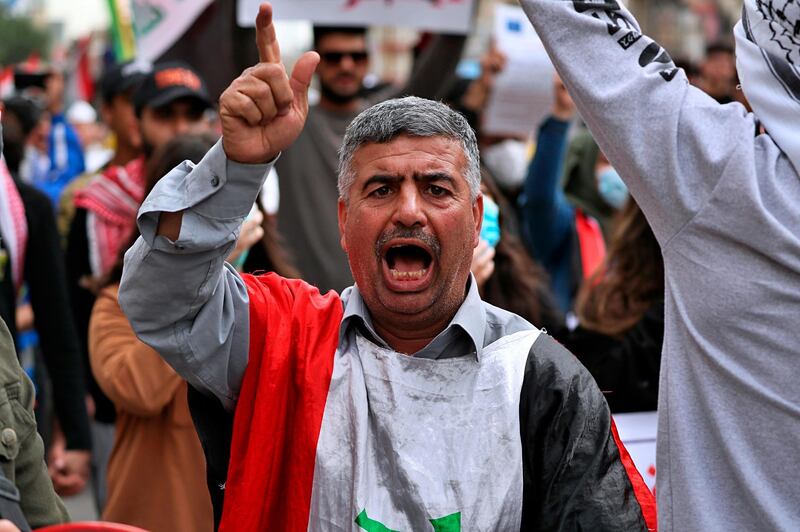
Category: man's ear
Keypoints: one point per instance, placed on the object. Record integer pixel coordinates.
(477, 212)
(342, 224)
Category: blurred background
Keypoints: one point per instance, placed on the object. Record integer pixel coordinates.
(80, 36)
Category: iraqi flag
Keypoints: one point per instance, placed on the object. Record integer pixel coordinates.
(335, 432)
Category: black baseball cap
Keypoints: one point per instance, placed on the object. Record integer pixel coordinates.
(123, 77)
(168, 82)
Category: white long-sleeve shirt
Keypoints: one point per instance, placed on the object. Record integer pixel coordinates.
(724, 205)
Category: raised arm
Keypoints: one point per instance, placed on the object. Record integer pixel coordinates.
(180, 296)
(669, 141)
(546, 217)
(434, 69)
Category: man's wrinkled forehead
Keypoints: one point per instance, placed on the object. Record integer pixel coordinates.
(425, 152)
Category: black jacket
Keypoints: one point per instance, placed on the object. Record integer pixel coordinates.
(46, 280)
(626, 368)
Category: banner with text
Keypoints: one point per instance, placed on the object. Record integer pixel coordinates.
(446, 16)
(522, 94)
(159, 23)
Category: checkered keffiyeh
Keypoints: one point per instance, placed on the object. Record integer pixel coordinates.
(13, 224)
(768, 61)
(111, 200)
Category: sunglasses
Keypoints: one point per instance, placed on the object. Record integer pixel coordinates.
(334, 58)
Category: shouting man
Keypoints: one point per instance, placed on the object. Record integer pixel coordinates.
(406, 403)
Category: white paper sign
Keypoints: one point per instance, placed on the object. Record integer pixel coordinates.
(638, 432)
(522, 95)
(159, 23)
(447, 16)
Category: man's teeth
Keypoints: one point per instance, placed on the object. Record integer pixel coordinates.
(409, 276)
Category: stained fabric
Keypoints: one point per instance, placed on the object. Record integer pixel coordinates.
(331, 433)
(280, 405)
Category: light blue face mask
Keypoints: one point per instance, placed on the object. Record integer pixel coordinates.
(490, 230)
(612, 188)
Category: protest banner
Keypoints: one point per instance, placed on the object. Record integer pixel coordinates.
(159, 23)
(522, 94)
(638, 432)
(447, 16)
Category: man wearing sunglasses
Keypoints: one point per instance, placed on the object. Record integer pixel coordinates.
(344, 62)
(307, 171)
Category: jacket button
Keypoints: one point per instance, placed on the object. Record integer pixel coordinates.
(8, 437)
(214, 181)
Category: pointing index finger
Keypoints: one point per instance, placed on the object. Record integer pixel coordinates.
(268, 49)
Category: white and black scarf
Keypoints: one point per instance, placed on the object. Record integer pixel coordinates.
(768, 61)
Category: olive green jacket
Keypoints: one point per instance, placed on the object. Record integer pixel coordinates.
(21, 447)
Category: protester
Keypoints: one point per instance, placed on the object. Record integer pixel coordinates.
(27, 160)
(60, 159)
(718, 72)
(558, 224)
(155, 438)
(32, 256)
(169, 100)
(287, 358)
(504, 158)
(620, 313)
(117, 87)
(22, 449)
(66, 153)
(590, 183)
(91, 134)
(307, 170)
(724, 205)
(506, 275)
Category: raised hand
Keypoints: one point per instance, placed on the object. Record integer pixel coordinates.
(264, 110)
(563, 106)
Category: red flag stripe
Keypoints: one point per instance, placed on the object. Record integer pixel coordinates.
(647, 501)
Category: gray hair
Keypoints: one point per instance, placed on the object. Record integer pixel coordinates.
(412, 116)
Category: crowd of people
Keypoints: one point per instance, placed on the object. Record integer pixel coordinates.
(368, 312)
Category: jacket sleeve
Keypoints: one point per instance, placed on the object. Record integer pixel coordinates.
(546, 217)
(576, 473)
(46, 278)
(129, 372)
(23, 458)
(669, 141)
(181, 298)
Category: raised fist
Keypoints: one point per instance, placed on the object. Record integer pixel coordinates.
(264, 110)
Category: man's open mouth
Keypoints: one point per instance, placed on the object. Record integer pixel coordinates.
(407, 262)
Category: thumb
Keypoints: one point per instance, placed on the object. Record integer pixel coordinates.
(301, 76)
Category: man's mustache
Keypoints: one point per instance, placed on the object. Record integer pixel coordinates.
(415, 233)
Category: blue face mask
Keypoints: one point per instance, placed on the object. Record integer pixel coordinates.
(490, 230)
(611, 188)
